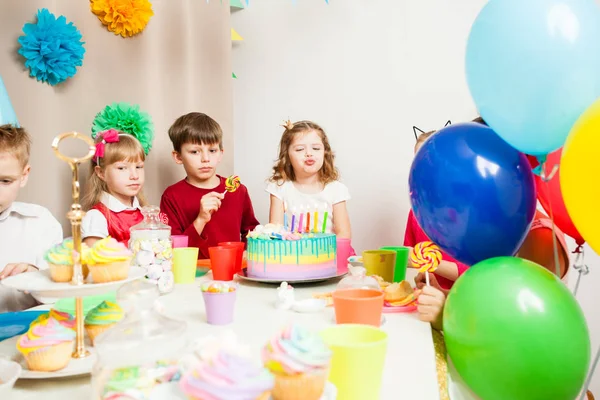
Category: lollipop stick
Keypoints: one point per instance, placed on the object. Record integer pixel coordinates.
(427, 278)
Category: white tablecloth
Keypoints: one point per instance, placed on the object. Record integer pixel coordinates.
(410, 362)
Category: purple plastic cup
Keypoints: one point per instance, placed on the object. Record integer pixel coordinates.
(219, 307)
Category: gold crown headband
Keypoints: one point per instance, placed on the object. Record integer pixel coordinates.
(288, 125)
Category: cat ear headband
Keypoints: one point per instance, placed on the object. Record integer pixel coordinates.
(415, 129)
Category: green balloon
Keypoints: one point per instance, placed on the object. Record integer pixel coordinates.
(514, 331)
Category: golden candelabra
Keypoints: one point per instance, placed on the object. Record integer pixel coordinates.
(75, 215)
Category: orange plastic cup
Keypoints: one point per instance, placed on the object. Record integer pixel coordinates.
(222, 262)
(358, 306)
(239, 246)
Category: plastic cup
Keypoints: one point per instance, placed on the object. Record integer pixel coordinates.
(380, 262)
(344, 250)
(358, 360)
(219, 307)
(358, 306)
(239, 246)
(184, 264)
(222, 262)
(402, 253)
(180, 241)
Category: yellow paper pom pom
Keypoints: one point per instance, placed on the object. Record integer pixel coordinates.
(123, 17)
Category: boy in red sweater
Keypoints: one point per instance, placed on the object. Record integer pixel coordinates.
(197, 206)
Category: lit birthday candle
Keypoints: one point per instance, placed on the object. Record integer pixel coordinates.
(285, 216)
(300, 224)
(307, 230)
(316, 218)
(325, 219)
(293, 219)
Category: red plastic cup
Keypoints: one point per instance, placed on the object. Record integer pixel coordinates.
(222, 262)
(239, 246)
(219, 307)
(344, 250)
(180, 241)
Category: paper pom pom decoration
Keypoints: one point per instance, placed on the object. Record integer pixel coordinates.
(126, 118)
(52, 48)
(123, 17)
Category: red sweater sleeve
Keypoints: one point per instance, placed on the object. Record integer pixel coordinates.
(178, 226)
(249, 221)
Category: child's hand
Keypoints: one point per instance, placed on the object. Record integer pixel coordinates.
(209, 204)
(16, 268)
(421, 281)
(431, 305)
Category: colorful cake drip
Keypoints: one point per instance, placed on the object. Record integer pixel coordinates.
(274, 253)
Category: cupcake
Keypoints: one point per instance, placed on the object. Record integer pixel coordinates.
(109, 261)
(63, 318)
(299, 359)
(47, 345)
(227, 376)
(60, 260)
(101, 318)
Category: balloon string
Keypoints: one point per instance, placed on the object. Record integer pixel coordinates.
(554, 240)
(590, 375)
(580, 266)
(540, 170)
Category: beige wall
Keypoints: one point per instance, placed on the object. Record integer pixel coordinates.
(180, 63)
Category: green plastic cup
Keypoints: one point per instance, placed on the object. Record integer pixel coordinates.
(184, 264)
(358, 360)
(402, 253)
(380, 262)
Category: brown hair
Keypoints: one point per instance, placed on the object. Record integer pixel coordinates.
(423, 137)
(16, 141)
(195, 128)
(480, 120)
(128, 148)
(283, 171)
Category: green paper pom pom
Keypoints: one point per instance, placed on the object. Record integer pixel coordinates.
(126, 118)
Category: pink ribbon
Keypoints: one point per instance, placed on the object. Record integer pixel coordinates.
(109, 136)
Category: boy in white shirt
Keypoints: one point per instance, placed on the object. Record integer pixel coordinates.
(26, 230)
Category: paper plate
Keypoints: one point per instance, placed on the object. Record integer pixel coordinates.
(16, 323)
(68, 305)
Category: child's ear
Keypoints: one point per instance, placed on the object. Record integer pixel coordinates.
(25, 176)
(177, 157)
(99, 171)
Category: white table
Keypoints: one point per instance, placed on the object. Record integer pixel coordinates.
(409, 372)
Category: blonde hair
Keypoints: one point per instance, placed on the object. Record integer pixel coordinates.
(128, 148)
(16, 141)
(283, 170)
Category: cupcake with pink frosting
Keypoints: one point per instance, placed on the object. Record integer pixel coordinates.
(299, 360)
(227, 376)
(47, 345)
(63, 318)
(109, 260)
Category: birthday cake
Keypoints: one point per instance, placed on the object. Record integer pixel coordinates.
(275, 253)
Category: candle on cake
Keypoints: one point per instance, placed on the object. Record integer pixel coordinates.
(316, 218)
(293, 219)
(325, 215)
(307, 230)
(285, 216)
(301, 219)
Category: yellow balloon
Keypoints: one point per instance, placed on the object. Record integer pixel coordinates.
(580, 175)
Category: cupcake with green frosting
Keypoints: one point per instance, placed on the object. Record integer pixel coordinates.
(102, 318)
(60, 260)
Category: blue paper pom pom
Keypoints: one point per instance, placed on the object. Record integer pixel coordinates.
(52, 47)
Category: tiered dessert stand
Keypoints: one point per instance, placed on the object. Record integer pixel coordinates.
(39, 284)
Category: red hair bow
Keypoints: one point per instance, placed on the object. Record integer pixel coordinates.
(109, 136)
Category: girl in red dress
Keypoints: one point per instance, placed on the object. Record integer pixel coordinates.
(113, 197)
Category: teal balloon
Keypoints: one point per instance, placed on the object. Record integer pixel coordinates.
(514, 331)
(7, 113)
(533, 66)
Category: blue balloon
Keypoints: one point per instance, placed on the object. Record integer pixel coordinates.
(533, 67)
(7, 113)
(472, 193)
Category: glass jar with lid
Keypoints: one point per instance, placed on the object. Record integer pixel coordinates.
(152, 248)
(358, 279)
(140, 354)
